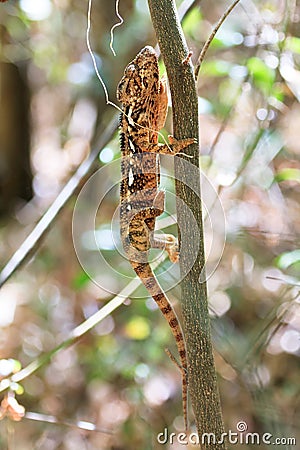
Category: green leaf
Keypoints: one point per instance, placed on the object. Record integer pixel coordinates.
(218, 44)
(217, 68)
(191, 23)
(80, 280)
(17, 366)
(287, 259)
(17, 388)
(288, 174)
(263, 76)
(162, 67)
(292, 43)
(278, 93)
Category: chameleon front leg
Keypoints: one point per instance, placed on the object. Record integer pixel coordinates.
(175, 146)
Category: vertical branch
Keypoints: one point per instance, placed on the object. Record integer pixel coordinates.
(203, 387)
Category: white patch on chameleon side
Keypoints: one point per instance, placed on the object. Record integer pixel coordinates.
(130, 120)
(131, 177)
(131, 145)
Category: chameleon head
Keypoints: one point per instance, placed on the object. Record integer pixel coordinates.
(140, 77)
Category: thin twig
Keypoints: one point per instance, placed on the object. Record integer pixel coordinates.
(80, 424)
(78, 332)
(224, 123)
(211, 37)
(33, 240)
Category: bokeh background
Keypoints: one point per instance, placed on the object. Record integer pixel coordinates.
(52, 114)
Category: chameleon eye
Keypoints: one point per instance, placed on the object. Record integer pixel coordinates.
(130, 70)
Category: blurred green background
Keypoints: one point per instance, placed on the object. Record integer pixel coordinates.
(52, 111)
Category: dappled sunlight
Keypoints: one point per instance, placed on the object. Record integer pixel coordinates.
(81, 341)
(40, 10)
(159, 389)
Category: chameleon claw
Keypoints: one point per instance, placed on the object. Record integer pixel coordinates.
(173, 254)
(172, 248)
(174, 360)
(188, 58)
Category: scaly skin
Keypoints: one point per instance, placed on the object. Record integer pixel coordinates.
(144, 99)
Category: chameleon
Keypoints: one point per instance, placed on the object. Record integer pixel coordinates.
(144, 100)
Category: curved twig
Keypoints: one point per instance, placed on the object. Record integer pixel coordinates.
(33, 240)
(211, 37)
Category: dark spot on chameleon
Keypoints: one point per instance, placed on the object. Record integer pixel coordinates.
(182, 354)
(173, 324)
(159, 297)
(166, 310)
(140, 268)
(178, 337)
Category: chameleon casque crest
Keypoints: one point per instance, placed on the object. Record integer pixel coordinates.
(144, 99)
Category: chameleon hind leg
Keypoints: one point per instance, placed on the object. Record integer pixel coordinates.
(141, 227)
(166, 242)
(141, 230)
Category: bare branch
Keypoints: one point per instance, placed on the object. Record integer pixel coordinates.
(202, 378)
(34, 239)
(211, 37)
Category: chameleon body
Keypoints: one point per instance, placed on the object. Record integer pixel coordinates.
(144, 99)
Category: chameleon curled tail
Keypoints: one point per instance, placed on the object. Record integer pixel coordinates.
(144, 272)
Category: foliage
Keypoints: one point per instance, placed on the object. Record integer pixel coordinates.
(117, 376)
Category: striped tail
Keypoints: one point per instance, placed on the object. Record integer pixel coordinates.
(144, 272)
